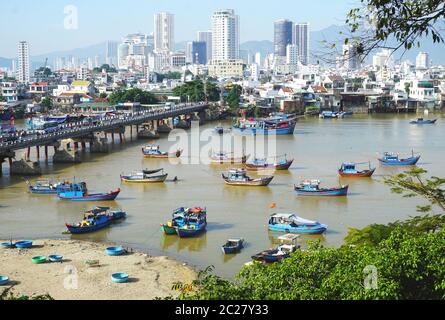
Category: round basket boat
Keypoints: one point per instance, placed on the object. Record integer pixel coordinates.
(114, 251)
(55, 258)
(8, 245)
(38, 259)
(23, 244)
(119, 277)
(4, 280)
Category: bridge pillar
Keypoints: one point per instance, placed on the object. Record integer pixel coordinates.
(66, 154)
(147, 132)
(99, 143)
(164, 127)
(183, 123)
(46, 152)
(25, 167)
(38, 152)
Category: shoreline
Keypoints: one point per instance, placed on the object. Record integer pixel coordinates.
(72, 279)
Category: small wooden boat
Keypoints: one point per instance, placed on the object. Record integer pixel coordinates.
(222, 157)
(96, 219)
(114, 251)
(262, 164)
(25, 244)
(328, 115)
(275, 255)
(350, 170)
(312, 188)
(142, 177)
(238, 177)
(153, 151)
(4, 280)
(78, 192)
(49, 186)
(389, 158)
(194, 225)
(119, 277)
(179, 217)
(291, 223)
(423, 121)
(8, 245)
(233, 245)
(278, 125)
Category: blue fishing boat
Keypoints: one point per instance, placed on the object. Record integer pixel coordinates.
(268, 126)
(115, 251)
(179, 217)
(328, 115)
(423, 121)
(390, 158)
(78, 192)
(96, 219)
(312, 188)
(49, 186)
(153, 151)
(233, 245)
(350, 170)
(194, 225)
(291, 223)
(262, 164)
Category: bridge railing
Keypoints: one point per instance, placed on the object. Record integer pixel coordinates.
(78, 129)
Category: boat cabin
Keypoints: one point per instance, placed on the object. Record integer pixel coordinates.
(238, 174)
(152, 149)
(348, 167)
(311, 185)
(391, 156)
(289, 238)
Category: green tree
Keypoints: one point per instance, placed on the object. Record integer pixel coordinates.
(103, 95)
(193, 91)
(105, 67)
(132, 95)
(377, 22)
(233, 98)
(46, 103)
(2, 98)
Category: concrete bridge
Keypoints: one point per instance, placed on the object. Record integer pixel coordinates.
(149, 124)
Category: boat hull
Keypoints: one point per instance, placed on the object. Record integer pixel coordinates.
(258, 131)
(334, 192)
(319, 229)
(188, 233)
(176, 154)
(88, 229)
(231, 250)
(92, 197)
(359, 174)
(424, 122)
(169, 230)
(160, 178)
(253, 183)
(401, 162)
(276, 166)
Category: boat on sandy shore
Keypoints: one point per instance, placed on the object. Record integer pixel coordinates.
(153, 151)
(96, 219)
(349, 169)
(238, 177)
(312, 188)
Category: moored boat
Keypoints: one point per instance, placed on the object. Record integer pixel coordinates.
(238, 177)
(328, 115)
(275, 255)
(179, 217)
(142, 177)
(272, 126)
(349, 169)
(423, 121)
(78, 192)
(263, 164)
(96, 219)
(233, 245)
(49, 186)
(312, 188)
(194, 224)
(222, 157)
(390, 158)
(153, 151)
(291, 223)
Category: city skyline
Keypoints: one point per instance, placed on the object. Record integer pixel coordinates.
(189, 18)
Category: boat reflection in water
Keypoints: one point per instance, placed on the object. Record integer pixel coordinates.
(194, 244)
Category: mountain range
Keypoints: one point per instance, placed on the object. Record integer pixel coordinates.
(330, 34)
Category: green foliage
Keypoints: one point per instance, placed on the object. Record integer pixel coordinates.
(169, 75)
(107, 68)
(372, 76)
(406, 21)
(233, 98)
(46, 103)
(2, 98)
(132, 95)
(193, 91)
(103, 95)
(7, 294)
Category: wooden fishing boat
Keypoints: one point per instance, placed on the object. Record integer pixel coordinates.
(262, 164)
(350, 170)
(78, 192)
(222, 157)
(153, 151)
(275, 255)
(238, 177)
(96, 219)
(142, 177)
(423, 121)
(312, 188)
(48, 186)
(274, 126)
(233, 245)
(390, 158)
(194, 225)
(179, 217)
(291, 223)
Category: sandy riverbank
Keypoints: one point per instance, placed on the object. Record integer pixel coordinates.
(150, 277)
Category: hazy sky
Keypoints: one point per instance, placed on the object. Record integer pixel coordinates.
(43, 22)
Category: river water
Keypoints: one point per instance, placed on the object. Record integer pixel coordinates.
(319, 146)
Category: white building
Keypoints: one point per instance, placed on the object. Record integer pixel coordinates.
(226, 68)
(382, 59)
(206, 36)
(422, 60)
(225, 35)
(258, 59)
(164, 32)
(351, 59)
(301, 39)
(111, 52)
(9, 91)
(23, 65)
(292, 54)
(254, 72)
